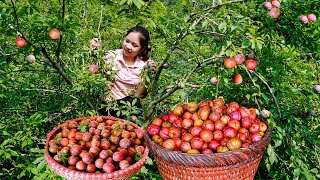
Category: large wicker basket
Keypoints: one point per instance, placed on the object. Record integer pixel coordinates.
(238, 164)
(67, 173)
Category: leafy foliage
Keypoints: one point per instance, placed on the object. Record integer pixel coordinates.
(193, 38)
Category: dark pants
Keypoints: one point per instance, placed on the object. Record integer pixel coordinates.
(113, 112)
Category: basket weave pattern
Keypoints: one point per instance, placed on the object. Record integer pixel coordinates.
(69, 174)
(238, 164)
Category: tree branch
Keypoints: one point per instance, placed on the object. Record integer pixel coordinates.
(209, 9)
(56, 66)
(15, 15)
(269, 88)
(209, 33)
(48, 90)
(100, 22)
(25, 70)
(61, 36)
(173, 47)
(195, 85)
(213, 7)
(171, 89)
(42, 49)
(196, 21)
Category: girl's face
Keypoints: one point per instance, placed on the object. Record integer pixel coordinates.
(131, 45)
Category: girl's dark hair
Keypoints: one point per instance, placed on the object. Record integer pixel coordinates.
(144, 40)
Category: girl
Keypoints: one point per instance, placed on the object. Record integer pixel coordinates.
(129, 62)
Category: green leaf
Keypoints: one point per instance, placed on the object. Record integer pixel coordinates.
(24, 143)
(84, 127)
(41, 164)
(13, 153)
(291, 164)
(252, 31)
(277, 143)
(34, 171)
(248, 96)
(128, 104)
(149, 161)
(226, 80)
(144, 170)
(4, 15)
(233, 28)
(229, 53)
(122, 2)
(63, 158)
(271, 153)
(137, 157)
(296, 172)
(7, 155)
(37, 150)
(299, 161)
(222, 27)
(314, 170)
(36, 161)
(266, 98)
(150, 21)
(204, 23)
(268, 165)
(5, 142)
(245, 43)
(5, 133)
(229, 43)
(272, 158)
(253, 45)
(138, 3)
(64, 109)
(148, 80)
(22, 173)
(134, 102)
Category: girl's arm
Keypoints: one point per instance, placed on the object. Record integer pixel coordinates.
(142, 90)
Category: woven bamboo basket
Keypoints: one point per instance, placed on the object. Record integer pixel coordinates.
(238, 164)
(69, 174)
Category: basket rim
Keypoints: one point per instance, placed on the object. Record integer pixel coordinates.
(211, 160)
(116, 174)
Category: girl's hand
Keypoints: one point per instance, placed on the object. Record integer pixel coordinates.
(142, 91)
(152, 64)
(95, 44)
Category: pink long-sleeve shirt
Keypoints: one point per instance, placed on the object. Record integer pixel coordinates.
(128, 77)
